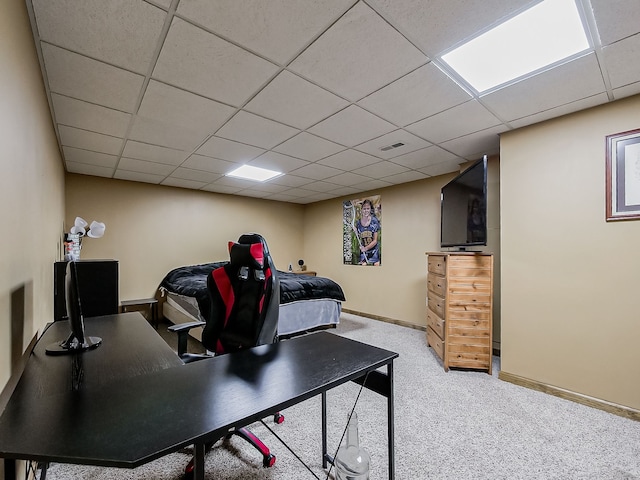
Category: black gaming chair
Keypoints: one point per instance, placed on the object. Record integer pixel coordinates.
(245, 301)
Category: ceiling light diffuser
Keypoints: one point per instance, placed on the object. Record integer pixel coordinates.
(545, 34)
(249, 172)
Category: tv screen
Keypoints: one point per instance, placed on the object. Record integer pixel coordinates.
(463, 208)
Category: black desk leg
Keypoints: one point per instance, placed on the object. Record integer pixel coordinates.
(390, 417)
(198, 461)
(324, 430)
(9, 469)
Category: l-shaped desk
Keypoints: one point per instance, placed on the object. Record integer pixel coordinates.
(128, 407)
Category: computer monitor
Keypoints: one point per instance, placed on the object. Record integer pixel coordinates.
(77, 341)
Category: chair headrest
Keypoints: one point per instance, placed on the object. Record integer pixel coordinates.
(246, 255)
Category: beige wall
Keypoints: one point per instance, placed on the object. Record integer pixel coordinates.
(152, 229)
(31, 188)
(570, 280)
(411, 226)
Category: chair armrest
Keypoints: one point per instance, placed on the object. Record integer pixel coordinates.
(183, 331)
(185, 326)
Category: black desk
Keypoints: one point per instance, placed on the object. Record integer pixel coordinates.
(126, 412)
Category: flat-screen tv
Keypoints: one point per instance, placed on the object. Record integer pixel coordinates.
(77, 340)
(463, 208)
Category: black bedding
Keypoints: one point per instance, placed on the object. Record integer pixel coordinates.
(191, 281)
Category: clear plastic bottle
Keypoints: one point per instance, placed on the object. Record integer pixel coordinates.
(352, 461)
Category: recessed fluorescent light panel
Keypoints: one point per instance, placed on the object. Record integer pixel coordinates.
(249, 172)
(547, 33)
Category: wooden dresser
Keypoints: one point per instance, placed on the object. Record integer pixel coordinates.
(460, 308)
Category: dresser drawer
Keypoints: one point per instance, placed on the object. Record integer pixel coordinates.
(435, 322)
(436, 264)
(436, 303)
(437, 284)
(435, 342)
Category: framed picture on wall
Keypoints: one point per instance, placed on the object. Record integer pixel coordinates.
(623, 176)
(362, 231)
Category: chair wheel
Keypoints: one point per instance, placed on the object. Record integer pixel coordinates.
(188, 475)
(278, 418)
(268, 460)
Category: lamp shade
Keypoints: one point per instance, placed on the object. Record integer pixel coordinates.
(79, 226)
(96, 229)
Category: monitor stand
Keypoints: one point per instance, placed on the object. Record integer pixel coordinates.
(71, 345)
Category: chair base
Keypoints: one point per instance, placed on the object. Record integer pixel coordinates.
(268, 459)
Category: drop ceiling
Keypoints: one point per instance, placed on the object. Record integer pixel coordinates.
(180, 92)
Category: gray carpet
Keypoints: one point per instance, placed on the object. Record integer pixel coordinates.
(456, 425)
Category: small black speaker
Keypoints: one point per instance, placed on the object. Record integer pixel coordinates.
(97, 286)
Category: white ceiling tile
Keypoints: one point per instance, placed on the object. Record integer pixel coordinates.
(320, 186)
(138, 176)
(120, 32)
(621, 60)
(278, 162)
(349, 160)
(218, 188)
(476, 144)
(626, 91)
(449, 166)
(275, 29)
(248, 128)
(404, 177)
(208, 65)
(349, 60)
(195, 175)
(567, 83)
(187, 110)
(315, 171)
(291, 100)
(352, 126)
(87, 169)
(142, 166)
(209, 164)
(97, 142)
(561, 110)
(348, 179)
(616, 19)
(282, 197)
(86, 79)
(424, 158)
(381, 170)
(420, 94)
(339, 192)
(309, 147)
(153, 153)
(438, 25)
(372, 185)
(461, 120)
(299, 192)
(229, 150)
(182, 183)
(77, 113)
(317, 197)
(291, 180)
(162, 3)
(77, 155)
(267, 187)
(410, 143)
(254, 193)
(164, 134)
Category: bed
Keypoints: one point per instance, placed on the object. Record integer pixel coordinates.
(306, 302)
